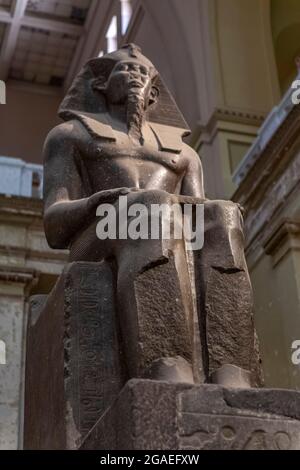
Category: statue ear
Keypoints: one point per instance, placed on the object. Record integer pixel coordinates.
(154, 94)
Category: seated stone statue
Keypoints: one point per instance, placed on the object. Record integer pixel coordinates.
(183, 317)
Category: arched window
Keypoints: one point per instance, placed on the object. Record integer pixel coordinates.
(285, 22)
(126, 13)
(117, 27)
(112, 35)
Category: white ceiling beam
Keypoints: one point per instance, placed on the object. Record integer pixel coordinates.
(11, 37)
(135, 22)
(16, 19)
(89, 34)
(5, 16)
(92, 14)
(19, 7)
(95, 29)
(35, 88)
(52, 25)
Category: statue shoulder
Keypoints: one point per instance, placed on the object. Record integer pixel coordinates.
(191, 154)
(66, 131)
(64, 135)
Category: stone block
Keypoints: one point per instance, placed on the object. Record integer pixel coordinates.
(150, 415)
(73, 363)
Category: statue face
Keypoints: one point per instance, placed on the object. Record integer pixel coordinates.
(126, 77)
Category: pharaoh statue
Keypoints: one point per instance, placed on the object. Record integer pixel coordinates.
(147, 339)
(183, 317)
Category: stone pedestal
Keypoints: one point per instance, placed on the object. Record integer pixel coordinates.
(138, 315)
(150, 415)
(73, 364)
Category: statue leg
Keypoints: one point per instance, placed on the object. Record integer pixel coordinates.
(154, 305)
(226, 306)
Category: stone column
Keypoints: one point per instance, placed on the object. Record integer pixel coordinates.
(281, 318)
(14, 286)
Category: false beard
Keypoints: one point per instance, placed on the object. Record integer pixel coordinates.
(135, 116)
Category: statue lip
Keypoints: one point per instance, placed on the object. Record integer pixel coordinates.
(136, 83)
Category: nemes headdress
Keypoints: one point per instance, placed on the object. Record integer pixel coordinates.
(85, 96)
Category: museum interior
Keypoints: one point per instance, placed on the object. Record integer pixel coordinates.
(230, 65)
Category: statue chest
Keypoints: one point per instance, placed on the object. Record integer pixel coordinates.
(127, 156)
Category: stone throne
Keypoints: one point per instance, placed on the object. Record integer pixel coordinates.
(142, 343)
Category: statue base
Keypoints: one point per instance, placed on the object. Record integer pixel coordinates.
(78, 395)
(149, 415)
(74, 367)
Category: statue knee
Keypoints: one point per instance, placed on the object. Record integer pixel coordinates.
(224, 214)
(224, 237)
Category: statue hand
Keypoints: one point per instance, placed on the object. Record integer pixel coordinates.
(108, 196)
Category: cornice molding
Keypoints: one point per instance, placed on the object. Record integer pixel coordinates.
(261, 224)
(19, 275)
(20, 203)
(242, 116)
(269, 129)
(288, 229)
(22, 211)
(59, 256)
(284, 239)
(222, 117)
(273, 162)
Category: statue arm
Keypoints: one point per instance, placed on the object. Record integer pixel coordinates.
(192, 184)
(67, 208)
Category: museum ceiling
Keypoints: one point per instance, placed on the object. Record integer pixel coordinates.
(40, 38)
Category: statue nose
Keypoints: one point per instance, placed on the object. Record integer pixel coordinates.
(135, 75)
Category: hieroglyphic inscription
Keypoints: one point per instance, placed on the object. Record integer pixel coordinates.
(90, 357)
(94, 357)
(205, 432)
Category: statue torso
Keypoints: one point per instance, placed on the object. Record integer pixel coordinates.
(115, 160)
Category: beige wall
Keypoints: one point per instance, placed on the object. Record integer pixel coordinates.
(269, 322)
(171, 35)
(245, 56)
(246, 87)
(277, 315)
(24, 123)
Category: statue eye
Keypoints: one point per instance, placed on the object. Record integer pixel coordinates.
(122, 67)
(144, 71)
(134, 68)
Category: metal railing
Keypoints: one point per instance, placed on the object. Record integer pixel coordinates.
(266, 132)
(18, 178)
